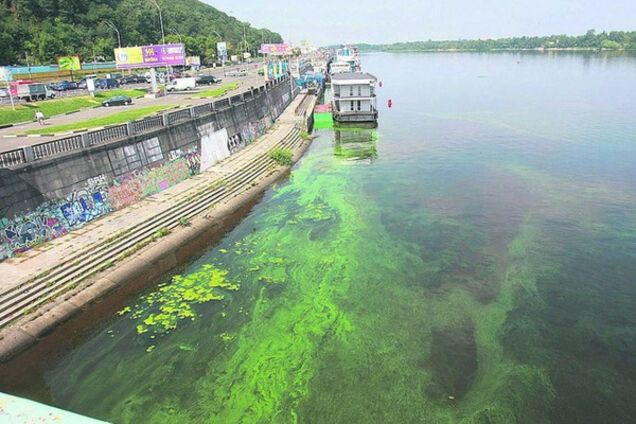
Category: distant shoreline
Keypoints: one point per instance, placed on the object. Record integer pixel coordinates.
(539, 50)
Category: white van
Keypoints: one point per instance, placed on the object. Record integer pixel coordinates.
(182, 84)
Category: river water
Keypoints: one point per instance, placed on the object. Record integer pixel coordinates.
(471, 260)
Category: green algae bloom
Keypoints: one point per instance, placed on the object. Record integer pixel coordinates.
(161, 311)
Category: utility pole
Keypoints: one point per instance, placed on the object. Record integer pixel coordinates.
(244, 42)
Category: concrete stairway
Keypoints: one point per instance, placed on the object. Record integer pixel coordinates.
(226, 180)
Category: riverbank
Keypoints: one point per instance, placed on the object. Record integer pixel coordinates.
(136, 245)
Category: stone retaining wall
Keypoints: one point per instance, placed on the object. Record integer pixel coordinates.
(46, 198)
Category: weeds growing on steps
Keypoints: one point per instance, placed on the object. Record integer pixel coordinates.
(281, 156)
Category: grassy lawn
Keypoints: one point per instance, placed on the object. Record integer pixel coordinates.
(119, 117)
(220, 91)
(26, 112)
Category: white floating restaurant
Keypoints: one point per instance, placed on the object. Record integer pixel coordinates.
(354, 97)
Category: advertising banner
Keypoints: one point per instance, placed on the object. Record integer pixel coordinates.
(69, 63)
(193, 61)
(221, 49)
(276, 49)
(150, 56)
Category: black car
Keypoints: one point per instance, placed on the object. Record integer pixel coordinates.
(132, 79)
(105, 83)
(64, 85)
(117, 101)
(208, 80)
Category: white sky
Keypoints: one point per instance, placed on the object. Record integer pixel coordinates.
(383, 21)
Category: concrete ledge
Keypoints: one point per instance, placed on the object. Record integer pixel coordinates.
(15, 342)
(130, 269)
(45, 324)
(91, 293)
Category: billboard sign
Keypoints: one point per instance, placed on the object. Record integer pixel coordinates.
(69, 63)
(150, 56)
(221, 49)
(276, 49)
(193, 61)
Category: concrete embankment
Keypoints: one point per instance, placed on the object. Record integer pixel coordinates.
(137, 245)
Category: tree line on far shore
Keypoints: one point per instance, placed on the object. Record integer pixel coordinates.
(613, 40)
(38, 31)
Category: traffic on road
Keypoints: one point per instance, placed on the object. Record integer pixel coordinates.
(32, 91)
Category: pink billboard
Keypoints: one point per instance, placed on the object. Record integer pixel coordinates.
(280, 48)
(150, 56)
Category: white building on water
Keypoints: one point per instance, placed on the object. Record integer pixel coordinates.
(354, 97)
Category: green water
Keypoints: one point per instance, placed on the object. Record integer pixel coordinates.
(473, 260)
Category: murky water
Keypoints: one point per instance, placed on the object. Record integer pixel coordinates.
(472, 260)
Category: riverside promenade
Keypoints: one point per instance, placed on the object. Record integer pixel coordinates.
(53, 282)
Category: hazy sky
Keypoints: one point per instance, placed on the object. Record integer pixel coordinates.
(381, 21)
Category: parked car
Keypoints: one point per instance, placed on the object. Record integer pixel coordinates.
(4, 93)
(132, 79)
(117, 101)
(105, 83)
(182, 84)
(208, 80)
(64, 86)
(237, 73)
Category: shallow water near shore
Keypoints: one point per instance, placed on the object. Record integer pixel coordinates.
(471, 260)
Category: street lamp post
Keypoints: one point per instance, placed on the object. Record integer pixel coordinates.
(163, 41)
(112, 25)
(163, 36)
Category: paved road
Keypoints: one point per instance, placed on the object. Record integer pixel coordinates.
(217, 72)
(8, 140)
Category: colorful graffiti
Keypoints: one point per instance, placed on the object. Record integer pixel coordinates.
(99, 197)
(193, 157)
(136, 185)
(254, 130)
(54, 219)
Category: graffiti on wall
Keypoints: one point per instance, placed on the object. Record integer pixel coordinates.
(95, 199)
(55, 218)
(136, 185)
(254, 130)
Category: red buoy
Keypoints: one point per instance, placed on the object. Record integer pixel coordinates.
(390, 103)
